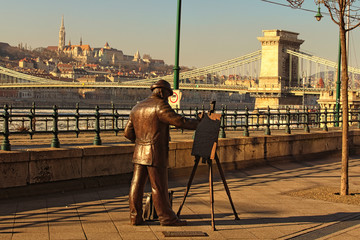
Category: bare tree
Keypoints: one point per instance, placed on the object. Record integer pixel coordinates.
(340, 11)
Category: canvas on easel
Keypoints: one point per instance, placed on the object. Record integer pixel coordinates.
(206, 136)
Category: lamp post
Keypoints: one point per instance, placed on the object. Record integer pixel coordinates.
(177, 47)
(318, 17)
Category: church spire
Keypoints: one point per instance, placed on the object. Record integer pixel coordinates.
(80, 41)
(137, 57)
(62, 35)
(62, 22)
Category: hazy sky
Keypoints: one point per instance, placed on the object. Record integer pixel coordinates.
(211, 30)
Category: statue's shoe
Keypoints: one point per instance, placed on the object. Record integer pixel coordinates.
(136, 222)
(176, 223)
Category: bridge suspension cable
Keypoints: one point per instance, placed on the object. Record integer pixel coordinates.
(320, 60)
(218, 67)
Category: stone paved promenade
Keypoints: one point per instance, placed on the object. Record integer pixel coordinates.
(265, 209)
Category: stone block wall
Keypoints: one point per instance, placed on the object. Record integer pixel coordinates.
(34, 166)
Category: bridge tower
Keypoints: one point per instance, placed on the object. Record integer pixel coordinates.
(276, 74)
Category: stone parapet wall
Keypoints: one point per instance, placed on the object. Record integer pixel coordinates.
(37, 166)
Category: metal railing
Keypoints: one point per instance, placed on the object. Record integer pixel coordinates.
(55, 121)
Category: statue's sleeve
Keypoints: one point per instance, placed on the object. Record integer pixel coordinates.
(167, 115)
(129, 131)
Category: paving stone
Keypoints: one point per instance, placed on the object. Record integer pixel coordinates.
(103, 235)
(137, 236)
(30, 236)
(5, 235)
(260, 199)
(99, 227)
(67, 235)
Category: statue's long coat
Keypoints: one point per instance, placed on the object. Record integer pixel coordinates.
(148, 127)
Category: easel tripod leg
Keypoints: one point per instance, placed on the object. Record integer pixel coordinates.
(211, 185)
(197, 159)
(226, 186)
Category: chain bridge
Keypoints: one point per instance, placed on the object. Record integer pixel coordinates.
(278, 70)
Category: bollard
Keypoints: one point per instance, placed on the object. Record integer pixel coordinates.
(77, 117)
(268, 115)
(297, 118)
(307, 129)
(46, 124)
(246, 129)
(182, 114)
(279, 118)
(113, 116)
(97, 139)
(87, 123)
(116, 128)
(335, 116)
(67, 123)
(6, 143)
(55, 140)
(257, 119)
(226, 115)
(222, 133)
(318, 117)
(287, 127)
(10, 111)
(32, 119)
(235, 119)
(325, 128)
(23, 123)
(122, 123)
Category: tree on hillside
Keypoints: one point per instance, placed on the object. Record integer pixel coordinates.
(45, 53)
(340, 11)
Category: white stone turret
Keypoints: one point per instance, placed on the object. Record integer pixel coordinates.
(137, 57)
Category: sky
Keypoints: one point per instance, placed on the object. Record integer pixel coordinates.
(212, 31)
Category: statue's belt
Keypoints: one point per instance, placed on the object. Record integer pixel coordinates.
(142, 142)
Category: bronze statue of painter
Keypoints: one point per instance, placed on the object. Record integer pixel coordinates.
(148, 127)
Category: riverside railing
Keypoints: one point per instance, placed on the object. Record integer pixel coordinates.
(55, 121)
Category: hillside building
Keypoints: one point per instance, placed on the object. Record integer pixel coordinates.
(105, 55)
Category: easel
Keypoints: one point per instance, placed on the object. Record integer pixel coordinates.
(208, 160)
